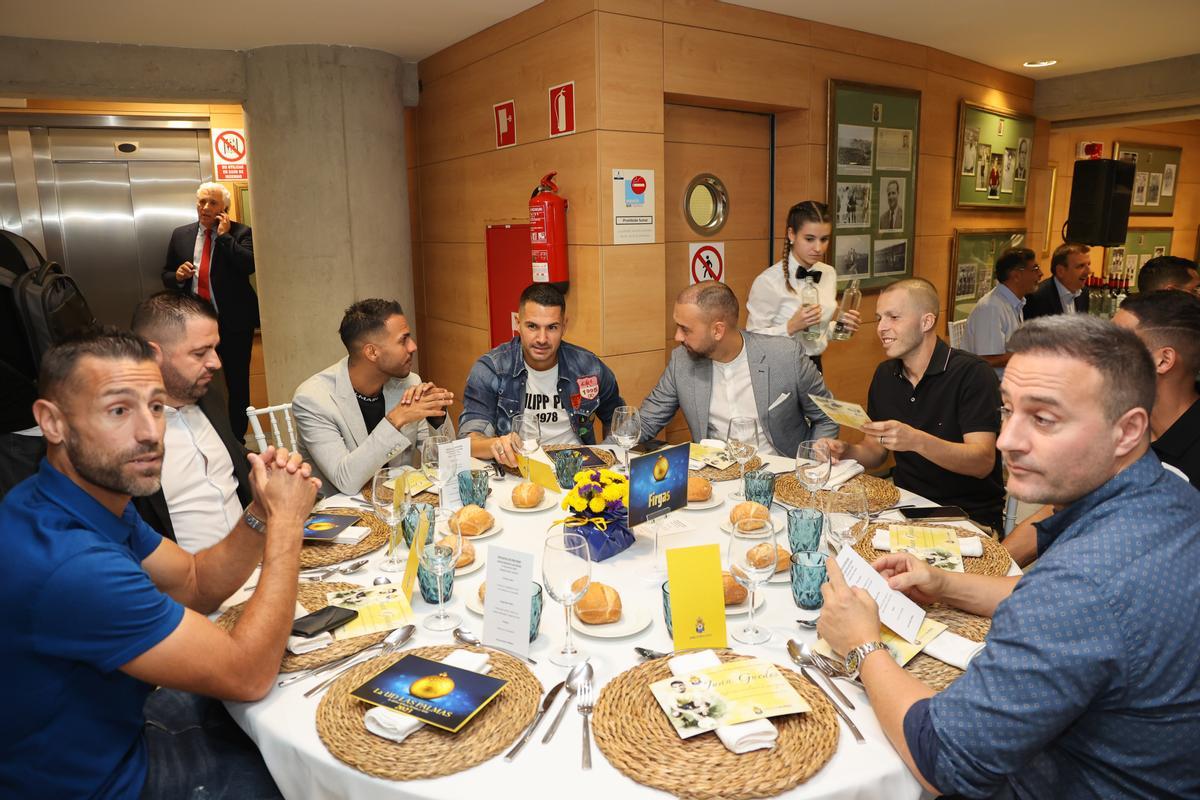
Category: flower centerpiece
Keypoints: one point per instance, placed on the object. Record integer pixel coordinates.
(598, 503)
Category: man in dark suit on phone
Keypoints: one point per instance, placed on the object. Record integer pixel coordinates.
(213, 259)
(1065, 292)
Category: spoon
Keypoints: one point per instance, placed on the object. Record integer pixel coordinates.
(796, 651)
(806, 623)
(382, 580)
(466, 637)
(580, 674)
(391, 643)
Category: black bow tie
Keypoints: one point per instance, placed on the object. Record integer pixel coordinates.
(802, 273)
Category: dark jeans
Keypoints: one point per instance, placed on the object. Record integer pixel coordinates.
(234, 352)
(197, 752)
(817, 363)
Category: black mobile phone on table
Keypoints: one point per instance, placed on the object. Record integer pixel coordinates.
(933, 514)
(648, 446)
(319, 622)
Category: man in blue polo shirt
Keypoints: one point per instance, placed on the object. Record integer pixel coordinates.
(1089, 685)
(99, 609)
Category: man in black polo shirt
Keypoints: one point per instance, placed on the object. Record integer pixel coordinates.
(937, 409)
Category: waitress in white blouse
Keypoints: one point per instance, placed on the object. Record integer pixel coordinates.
(774, 306)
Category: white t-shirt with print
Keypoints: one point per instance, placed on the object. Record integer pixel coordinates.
(542, 399)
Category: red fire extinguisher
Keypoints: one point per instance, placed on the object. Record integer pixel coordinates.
(548, 234)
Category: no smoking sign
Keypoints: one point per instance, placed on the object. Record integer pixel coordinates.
(229, 154)
(706, 261)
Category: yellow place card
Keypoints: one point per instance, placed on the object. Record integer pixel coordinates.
(899, 649)
(728, 694)
(697, 596)
(851, 415)
(937, 547)
(538, 469)
(416, 480)
(715, 457)
(414, 556)
(380, 608)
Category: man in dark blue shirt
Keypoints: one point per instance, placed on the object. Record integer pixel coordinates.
(1089, 685)
(98, 608)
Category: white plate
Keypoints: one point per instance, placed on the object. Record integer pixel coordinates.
(474, 604)
(633, 620)
(744, 606)
(700, 505)
(778, 577)
(504, 500)
(474, 566)
(443, 529)
(779, 522)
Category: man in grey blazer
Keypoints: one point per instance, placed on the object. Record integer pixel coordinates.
(370, 408)
(720, 372)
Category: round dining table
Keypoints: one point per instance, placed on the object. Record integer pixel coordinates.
(283, 724)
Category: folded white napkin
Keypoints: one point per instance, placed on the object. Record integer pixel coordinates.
(352, 535)
(842, 472)
(299, 645)
(757, 734)
(343, 501)
(398, 727)
(969, 545)
(953, 649)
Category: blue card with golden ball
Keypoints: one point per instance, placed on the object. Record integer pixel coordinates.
(658, 483)
(438, 694)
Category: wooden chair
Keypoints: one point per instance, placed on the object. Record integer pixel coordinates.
(277, 430)
(957, 331)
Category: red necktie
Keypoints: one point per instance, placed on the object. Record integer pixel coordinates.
(202, 287)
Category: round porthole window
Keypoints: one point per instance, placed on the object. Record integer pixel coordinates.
(706, 204)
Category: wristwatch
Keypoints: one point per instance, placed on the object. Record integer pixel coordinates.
(855, 657)
(254, 522)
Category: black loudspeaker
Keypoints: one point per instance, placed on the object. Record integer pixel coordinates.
(1101, 190)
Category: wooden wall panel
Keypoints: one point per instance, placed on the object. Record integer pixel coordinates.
(447, 353)
(637, 373)
(746, 173)
(744, 260)
(633, 297)
(647, 9)
(731, 66)
(585, 314)
(623, 150)
(737, 19)
(630, 58)
(694, 125)
(454, 273)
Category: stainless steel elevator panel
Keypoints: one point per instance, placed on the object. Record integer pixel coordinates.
(100, 247)
(10, 209)
(101, 144)
(164, 197)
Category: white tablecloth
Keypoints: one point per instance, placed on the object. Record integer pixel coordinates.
(283, 723)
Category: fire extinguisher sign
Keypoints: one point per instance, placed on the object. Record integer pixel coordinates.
(562, 109)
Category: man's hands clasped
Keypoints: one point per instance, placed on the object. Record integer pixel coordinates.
(420, 402)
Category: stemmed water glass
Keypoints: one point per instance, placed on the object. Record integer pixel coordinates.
(439, 557)
(813, 465)
(741, 444)
(751, 562)
(390, 501)
(848, 513)
(430, 462)
(527, 438)
(626, 429)
(566, 574)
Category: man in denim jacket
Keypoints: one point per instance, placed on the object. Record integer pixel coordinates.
(565, 386)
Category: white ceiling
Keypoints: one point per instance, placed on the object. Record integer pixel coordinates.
(1003, 33)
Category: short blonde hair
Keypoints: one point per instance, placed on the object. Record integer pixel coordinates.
(213, 186)
(922, 293)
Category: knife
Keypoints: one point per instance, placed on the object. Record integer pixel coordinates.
(546, 703)
(858, 737)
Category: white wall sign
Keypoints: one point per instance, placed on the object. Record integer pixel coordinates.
(706, 261)
(633, 206)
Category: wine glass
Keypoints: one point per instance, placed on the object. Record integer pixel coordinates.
(431, 461)
(752, 556)
(626, 430)
(566, 574)
(390, 501)
(813, 465)
(438, 557)
(740, 445)
(527, 436)
(848, 513)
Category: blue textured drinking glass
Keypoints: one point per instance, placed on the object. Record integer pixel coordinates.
(759, 487)
(412, 518)
(473, 486)
(535, 611)
(808, 573)
(427, 580)
(566, 464)
(804, 529)
(666, 601)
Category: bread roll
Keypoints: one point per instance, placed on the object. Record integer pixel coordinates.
(466, 556)
(482, 591)
(527, 495)
(599, 605)
(749, 510)
(760, 556)
(471, 521)
(734, 592)
(699, 489)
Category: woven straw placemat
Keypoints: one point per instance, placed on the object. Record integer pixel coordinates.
(730, 473)
(635, 736)
(312, 597)
(429, 752)
(421, 497)
(881, 494)
(319, 554)
(608, 458)
(937, 675)
(994, 561)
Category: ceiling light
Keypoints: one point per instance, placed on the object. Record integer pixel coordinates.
(1045, 62)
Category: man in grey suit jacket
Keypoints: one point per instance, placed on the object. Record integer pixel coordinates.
(720, 372)
(369, 409)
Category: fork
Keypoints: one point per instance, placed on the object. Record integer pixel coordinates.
(386, 651)
(585, 702)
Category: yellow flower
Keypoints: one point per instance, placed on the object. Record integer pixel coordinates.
(578, 505)
(596, 505)
(613, 492)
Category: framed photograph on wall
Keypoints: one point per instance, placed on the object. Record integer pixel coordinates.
(973, 264)
(1156, 177)
(1141, 245)
(1003, 143)
(873, 153)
